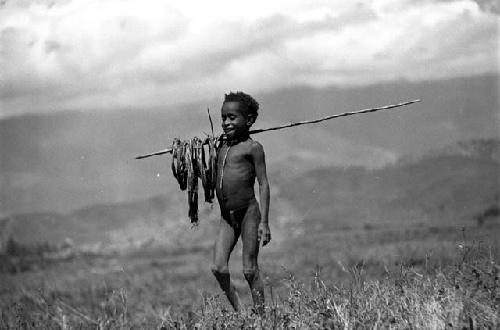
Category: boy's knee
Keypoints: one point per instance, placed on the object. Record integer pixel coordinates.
(219, 270)
(250, 274)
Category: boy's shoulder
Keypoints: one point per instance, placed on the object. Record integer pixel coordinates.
(255, 146)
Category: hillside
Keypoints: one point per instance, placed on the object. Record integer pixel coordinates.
(446, 186)
(441, 188)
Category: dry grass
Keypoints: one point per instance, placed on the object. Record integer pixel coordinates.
(464, 294)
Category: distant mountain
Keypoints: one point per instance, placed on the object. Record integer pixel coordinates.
(485, 148)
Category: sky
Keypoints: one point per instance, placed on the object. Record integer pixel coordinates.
(108, 54)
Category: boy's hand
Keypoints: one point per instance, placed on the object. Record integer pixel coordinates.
(264, 234)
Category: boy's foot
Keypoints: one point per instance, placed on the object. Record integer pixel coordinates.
(260, 311)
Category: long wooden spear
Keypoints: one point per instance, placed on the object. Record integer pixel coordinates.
(304, 122)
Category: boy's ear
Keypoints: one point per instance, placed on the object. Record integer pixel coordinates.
(250, 119)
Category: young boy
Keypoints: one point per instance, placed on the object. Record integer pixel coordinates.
(239, 161)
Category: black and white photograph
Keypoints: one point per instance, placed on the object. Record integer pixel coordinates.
(220, 164)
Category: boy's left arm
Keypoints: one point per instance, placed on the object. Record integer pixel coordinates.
(264, 195)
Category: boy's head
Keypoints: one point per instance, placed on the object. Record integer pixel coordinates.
(247, 103)
(238, 113)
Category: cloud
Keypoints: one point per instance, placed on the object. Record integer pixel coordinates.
(491, 6)
(85, 54)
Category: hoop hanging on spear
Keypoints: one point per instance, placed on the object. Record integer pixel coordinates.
(192, 160)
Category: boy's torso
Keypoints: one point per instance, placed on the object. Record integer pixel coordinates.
(235, 175)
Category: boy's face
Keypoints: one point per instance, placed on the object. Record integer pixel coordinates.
(235, 121)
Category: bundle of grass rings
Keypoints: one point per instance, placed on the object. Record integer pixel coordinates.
(192, 160)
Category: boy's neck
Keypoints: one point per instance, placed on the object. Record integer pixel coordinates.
(237, 139)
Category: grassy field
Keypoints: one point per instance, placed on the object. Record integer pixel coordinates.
(416, 277)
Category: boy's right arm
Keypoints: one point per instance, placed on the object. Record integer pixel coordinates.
(264, 193)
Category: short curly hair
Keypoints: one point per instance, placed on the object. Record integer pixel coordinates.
(245, 100)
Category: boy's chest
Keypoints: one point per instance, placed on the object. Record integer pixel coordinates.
(231, 156)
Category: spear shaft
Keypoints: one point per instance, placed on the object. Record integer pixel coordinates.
(304, 122)
(345, 114)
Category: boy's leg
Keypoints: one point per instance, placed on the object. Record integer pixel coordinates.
(224, 245)
(249, 237)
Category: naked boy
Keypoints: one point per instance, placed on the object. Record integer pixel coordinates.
(240, 160)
